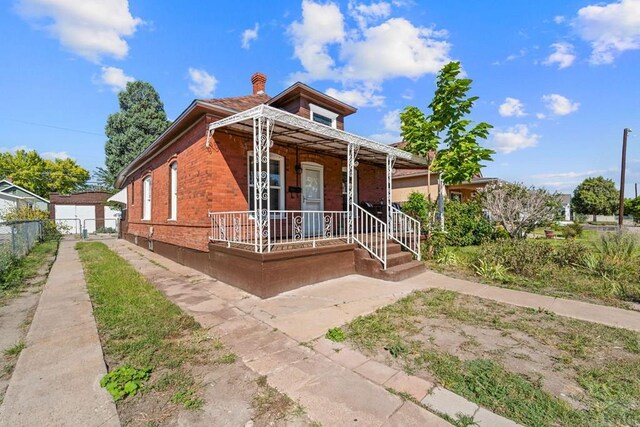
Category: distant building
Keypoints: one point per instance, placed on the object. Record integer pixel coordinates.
(14, 196)
(566, 206)
(83, 210)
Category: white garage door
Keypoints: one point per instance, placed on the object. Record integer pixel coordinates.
(76, 216)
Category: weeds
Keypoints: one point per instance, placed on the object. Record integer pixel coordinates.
(124, 381)
(491, 271)
(335, 335)
(16, 349)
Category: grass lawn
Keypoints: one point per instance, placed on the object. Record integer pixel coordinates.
(140, 328)
(531, 366)
(15, 278)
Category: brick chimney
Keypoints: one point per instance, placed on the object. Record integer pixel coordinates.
(258, 80)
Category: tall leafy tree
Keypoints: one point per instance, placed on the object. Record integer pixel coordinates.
(131, 130)
(444, 136)
(596, 196)
(42, 176)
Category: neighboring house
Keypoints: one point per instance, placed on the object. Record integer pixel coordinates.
(86, 210)
(565, 199)
(407, 181)
(315, 205)
(12, 195)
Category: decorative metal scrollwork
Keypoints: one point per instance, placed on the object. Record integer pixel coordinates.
(297, 227)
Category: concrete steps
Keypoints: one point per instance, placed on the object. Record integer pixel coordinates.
(400, 264)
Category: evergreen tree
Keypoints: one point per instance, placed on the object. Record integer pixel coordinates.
(131, 130)
(596, 196)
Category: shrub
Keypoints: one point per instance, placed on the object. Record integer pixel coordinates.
(524, 257)
(418, 207)
(466, 224)
(618, 246)
(50, 230)
(491, 271)
(571, 231)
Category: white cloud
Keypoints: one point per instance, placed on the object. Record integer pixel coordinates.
(396, 48)
(386, 137)
(559, 19)
(358, 97)
(366, 14)
(561, 175)
(249, 35)
(322, 25)
(202, 83)
(541, 116)
(515, 138)
(91, 29)
(115, 78)
(563, 55)
(610, 29)
(362, 57)
(391, 121)
(560, 105)
(408, 94)
(52, 155)
(48, 155)
(14, 149)
(511, 107)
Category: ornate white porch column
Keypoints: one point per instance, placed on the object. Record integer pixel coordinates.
(391, 160)
(262, 129)
(352, 154)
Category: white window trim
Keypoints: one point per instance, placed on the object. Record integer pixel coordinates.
(280, 160)
(146, 198)
(316, 109)
(173, 188)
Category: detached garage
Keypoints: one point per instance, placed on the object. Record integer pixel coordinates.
(85, 210)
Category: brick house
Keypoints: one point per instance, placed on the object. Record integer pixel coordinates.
(317, 204)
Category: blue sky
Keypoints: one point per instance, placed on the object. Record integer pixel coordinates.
(558, 80)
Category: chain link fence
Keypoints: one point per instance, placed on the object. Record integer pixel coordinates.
(16, 240)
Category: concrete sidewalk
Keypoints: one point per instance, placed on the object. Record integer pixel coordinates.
(56, 381)
(596, 313)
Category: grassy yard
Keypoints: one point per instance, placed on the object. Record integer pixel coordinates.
(169, 352)
(578, 269)
(531, 366)
(14, 279)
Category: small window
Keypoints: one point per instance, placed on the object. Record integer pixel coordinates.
(455, 196)
(133, 192)
(323, 116)
(276, 182)
(146, 198)
(173, 191)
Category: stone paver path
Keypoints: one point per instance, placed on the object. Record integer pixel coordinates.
(282, 338)
(56, 381)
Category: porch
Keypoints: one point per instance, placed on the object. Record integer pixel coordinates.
(266, 228)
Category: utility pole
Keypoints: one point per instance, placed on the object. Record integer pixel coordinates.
(625, 135)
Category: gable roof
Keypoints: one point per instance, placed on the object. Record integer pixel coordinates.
(300, 88)
(5, 185)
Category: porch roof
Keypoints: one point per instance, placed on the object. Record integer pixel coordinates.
(295, 130)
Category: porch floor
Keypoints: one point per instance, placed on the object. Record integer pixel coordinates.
(292, 245)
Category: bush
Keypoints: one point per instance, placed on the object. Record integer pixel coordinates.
(419, 208)
(524, 257)
(466, 224)
(49, 228)
(572, 231)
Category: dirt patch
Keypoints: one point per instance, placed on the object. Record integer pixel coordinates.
(550, 351)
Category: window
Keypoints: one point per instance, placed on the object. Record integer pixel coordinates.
(146, 198)
(276, 182)
(456, 196)
(344, 187)
(173, 191)
(323, 116)
(133, 192)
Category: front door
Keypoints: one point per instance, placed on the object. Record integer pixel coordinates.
(312, 198)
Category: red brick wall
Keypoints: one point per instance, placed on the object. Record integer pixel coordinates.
(215, 179)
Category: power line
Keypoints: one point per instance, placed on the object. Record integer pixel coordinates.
(52, 126)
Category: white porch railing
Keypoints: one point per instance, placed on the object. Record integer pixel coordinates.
(405, 230)
(286, 227)
(289, 228)
(370, 233)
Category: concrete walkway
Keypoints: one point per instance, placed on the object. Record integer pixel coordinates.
(610, 316)
(56, 381)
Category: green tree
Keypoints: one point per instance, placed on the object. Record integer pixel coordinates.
(632, 207)
(42, 176)
(461, 157)
(131, 130)
(596, 196)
